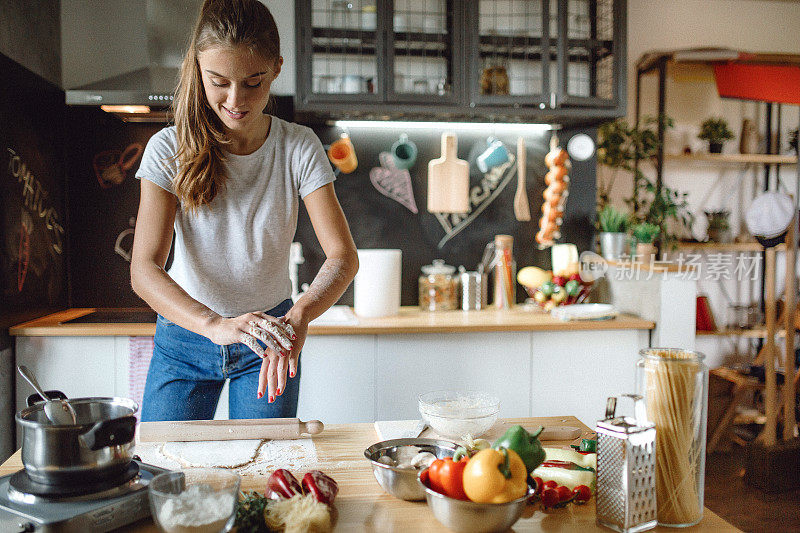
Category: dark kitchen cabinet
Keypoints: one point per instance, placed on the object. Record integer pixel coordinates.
(544, 60)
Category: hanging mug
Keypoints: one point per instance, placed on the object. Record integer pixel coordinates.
(343, 155)
(404, 153)
(495, 155)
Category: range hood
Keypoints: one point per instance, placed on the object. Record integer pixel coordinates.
(124, 52)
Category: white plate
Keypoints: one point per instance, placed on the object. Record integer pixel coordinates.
(584, 312)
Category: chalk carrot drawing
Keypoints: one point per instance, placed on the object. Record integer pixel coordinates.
(25, 230)
(111, 166)
(480, 196)
(393, 182)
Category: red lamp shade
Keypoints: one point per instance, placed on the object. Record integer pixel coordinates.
(762, 82)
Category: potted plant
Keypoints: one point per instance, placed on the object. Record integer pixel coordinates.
(719, 226)
(645, 234)
(613, 232)
(716, 132)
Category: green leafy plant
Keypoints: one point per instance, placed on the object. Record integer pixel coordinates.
(645, 232)
(715, 130)
(626, 148)
(613, 220)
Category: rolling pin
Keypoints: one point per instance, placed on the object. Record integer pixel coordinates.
(209, 430)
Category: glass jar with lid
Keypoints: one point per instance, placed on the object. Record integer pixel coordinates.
(438, 287)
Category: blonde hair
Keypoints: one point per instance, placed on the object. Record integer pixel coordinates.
(200, 133)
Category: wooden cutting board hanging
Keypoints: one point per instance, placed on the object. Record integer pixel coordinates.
(448, 180)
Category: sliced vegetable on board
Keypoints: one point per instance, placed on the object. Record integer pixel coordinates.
(282, 485)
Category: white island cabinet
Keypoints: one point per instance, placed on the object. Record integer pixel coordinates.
(375, 370)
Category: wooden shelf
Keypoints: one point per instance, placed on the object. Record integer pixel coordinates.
(724, 247)
(735, 158)
(755, 333)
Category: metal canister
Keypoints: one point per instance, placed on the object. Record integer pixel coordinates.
(626, 469)
(474, 288)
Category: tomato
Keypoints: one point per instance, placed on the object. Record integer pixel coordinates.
(582, 493)
(549, 484)
(549, 497)
(538, 481)
(575, 277)
(559, 280)
(564, 494)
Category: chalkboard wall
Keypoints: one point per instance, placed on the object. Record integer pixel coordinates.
(33, 271)
(102, 212)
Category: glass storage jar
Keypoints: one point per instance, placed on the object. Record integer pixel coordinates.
(674, 384)
(438, 287)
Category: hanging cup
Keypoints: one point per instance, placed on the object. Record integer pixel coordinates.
(404, 153)
(495, 155)
(343, 155)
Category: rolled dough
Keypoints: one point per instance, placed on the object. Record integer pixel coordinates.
(228, 454)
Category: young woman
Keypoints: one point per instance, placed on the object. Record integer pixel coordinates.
(227, 179)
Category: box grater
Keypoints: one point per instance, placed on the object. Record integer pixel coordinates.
(626, 469)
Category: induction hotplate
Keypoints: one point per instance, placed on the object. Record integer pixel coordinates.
(121, 315)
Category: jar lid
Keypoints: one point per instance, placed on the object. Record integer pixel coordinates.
(438, 267)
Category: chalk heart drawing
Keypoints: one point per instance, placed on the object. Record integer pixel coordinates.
(480, 196)
(393, 182)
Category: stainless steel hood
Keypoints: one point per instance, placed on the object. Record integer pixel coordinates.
(124, 52)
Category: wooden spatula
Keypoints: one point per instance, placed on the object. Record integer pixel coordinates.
(202, 430)
(521, 208)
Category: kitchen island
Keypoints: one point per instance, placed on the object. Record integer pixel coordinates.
(363, 506)
(375, 369)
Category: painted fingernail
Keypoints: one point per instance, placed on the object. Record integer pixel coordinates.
(260, 394)
(271, 399)
(291, 374)
(278, 392)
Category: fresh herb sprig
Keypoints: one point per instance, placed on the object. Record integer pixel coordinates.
(250, 513)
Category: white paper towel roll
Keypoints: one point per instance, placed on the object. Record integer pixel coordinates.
(377, 284)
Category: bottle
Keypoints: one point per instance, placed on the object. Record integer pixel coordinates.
(505, 272)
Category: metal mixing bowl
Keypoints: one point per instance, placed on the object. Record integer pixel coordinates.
(403, 482)
(470, 517)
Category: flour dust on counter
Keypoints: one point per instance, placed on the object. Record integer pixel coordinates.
(247, 457)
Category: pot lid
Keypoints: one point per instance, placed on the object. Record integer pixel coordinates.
(438, 267)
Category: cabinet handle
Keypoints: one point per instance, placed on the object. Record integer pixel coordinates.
(552, 100)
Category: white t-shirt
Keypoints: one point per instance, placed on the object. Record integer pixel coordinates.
(233, 254)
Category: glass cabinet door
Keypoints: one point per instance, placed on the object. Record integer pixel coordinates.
(423, 49)
(511, 52)
(342, 41)
(589, 55)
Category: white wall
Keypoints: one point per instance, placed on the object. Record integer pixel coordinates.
(751, 25)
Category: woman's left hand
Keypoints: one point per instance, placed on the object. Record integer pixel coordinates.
(274, 370)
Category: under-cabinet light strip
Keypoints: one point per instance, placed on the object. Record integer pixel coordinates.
(485, 126)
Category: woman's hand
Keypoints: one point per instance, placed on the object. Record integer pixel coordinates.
(272, 378)
(274, 332)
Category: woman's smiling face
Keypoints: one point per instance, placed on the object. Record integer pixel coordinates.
(237, 84)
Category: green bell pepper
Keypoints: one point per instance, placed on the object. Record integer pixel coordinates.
(526, 445)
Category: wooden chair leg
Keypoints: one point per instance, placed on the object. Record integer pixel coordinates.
(726, 421)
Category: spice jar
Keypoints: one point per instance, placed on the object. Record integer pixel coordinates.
(438, 287)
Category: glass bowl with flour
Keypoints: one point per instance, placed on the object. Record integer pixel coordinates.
(194, 500)
(455, 414)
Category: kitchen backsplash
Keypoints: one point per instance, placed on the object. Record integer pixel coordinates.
(102, 157)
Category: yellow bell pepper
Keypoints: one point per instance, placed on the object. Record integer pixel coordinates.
(495, 476)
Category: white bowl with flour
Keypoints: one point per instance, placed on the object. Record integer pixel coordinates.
(454, 414)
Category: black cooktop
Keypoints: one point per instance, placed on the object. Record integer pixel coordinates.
(122, 315)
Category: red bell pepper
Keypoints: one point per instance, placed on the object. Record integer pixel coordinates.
(446, 477)
(282, 485)
(322, 487)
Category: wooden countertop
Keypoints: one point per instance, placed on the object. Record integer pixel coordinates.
(409, 320)
(363, 506)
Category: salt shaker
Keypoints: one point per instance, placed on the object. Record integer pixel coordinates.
(626, 469)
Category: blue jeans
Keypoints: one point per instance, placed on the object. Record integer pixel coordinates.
(187, 372)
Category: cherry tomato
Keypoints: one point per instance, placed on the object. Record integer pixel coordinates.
(549, 497)
(582, 493)
(538, 481)
(564, 494)
(549, 485)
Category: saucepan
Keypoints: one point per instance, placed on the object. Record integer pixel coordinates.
(97, 447)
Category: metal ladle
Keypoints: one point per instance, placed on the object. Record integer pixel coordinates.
(58, 411)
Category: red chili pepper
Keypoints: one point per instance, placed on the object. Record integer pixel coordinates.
(321, 486)
(282, 485)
